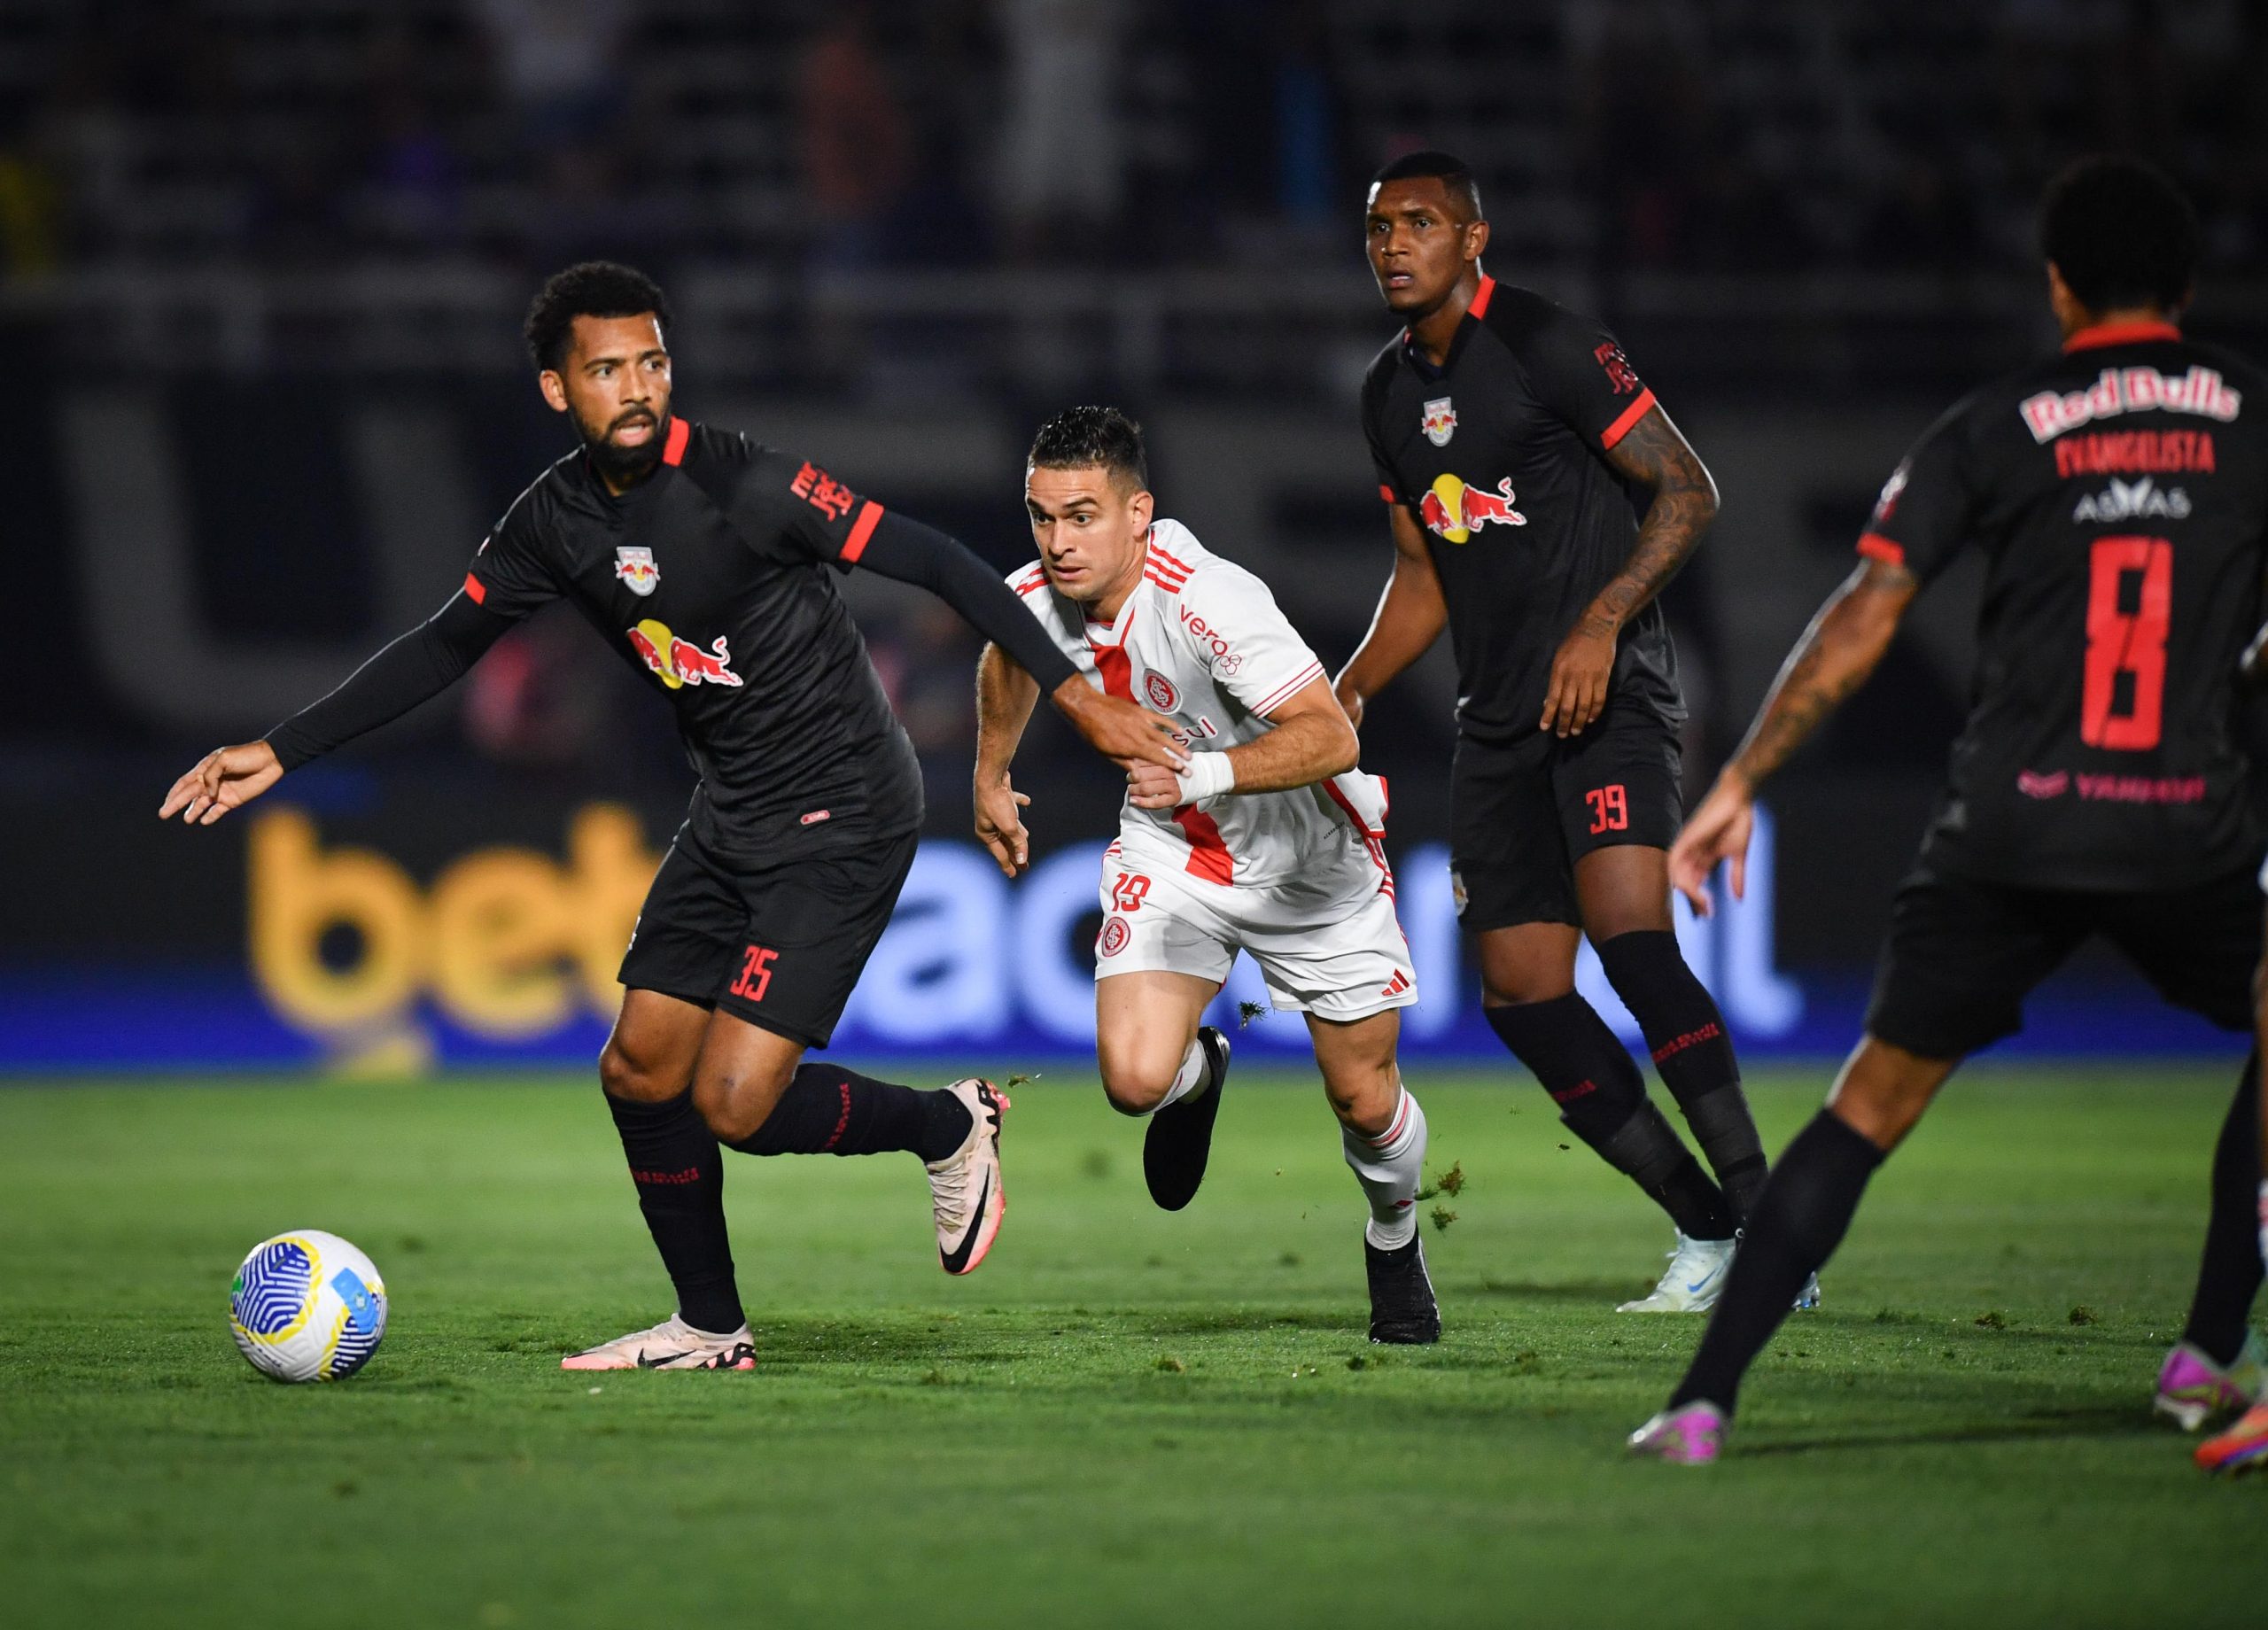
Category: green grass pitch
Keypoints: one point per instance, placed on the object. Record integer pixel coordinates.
(1125, 1416)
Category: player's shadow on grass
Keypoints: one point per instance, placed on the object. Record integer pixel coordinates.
(1608, 1291)
(2121, 1420)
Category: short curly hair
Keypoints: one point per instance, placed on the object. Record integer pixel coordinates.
(2121, 234)
(1087, 437)
(592, 288)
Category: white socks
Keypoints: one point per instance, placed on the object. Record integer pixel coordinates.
(1188, 1078)
(1389, 1167)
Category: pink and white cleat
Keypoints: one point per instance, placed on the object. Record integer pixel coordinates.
(965, 1188)
(1691, 1435)
(672, 1345)
(2192, 1388)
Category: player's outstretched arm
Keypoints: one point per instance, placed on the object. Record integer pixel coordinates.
(1312, 741)
(1410, 617)
(1006, 696)
(421, 664)
(1653, 452)
(1843, 644)
(910, 551)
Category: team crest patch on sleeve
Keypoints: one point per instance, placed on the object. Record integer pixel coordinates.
(1439, 421)
(1161, 692)
(636, 568)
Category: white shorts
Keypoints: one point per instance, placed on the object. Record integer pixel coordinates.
(1323, 947)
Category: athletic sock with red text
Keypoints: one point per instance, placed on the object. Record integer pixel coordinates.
(680, 1179)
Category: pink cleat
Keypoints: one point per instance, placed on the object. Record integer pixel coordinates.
(1691, 1436)
(2192, 1388)
(672, 1345)
(2243, 1447)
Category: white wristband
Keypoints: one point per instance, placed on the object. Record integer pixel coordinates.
(1209, 776)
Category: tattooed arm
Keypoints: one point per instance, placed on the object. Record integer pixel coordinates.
(1843, 644)
(1685, 502)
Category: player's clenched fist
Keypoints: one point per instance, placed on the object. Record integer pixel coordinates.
(1718, 830)
(223, 779)
(1000, 825)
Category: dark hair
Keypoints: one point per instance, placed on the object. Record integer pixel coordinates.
(1447, 167)
(2120, 233)
(593, 288)
(1083, 438)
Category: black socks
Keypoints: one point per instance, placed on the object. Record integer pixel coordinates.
(1798, 1221)
(829, 1110)
(2229, 1277)
(1602, 1099)
(1687, 1037)
(680, 1179)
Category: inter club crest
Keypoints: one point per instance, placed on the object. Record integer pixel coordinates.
(1439, 421)
(1161, 692)
(636, 568)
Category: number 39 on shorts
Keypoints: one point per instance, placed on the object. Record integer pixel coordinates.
(1126, 893)
(1609, 808)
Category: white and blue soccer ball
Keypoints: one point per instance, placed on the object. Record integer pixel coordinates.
(306, 1306)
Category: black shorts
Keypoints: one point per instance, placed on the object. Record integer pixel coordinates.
(779, 942)
(1521, 815)
(1963, 953)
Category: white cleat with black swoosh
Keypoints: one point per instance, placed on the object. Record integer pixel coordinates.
(965, 1187)
(670, 1345)
(1693, 1281)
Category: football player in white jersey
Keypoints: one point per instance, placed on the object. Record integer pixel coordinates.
(1271, 841)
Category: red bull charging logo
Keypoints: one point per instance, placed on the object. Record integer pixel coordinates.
(1456, 511)
(680, 662)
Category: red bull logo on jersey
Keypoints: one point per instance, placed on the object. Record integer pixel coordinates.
(636, 568)
(1438, 420)
(678, 662)
(1456, 511)
(2130, 390)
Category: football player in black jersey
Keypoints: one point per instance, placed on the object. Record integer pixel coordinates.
(707, 562)
(2118, 492)
(1515, 446)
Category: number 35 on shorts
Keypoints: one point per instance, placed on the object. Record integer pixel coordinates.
(1609, 808)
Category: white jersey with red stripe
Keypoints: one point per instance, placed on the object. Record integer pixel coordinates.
(1201, 640)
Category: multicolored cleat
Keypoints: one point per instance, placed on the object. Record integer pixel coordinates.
(966, 1195)
(1691, 1435)
(2243, 1447)
(670, 1345)
(2192, 1388)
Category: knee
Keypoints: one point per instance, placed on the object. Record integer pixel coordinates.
(1133, 1084)
(728, 1105)
(1364, 1101)
(624, 1075)
(1520, 987)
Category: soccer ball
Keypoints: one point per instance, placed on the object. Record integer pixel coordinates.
(307, 1307)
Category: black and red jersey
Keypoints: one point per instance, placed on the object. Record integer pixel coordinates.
(2119, 495)
(714, 579)
(1500, 455)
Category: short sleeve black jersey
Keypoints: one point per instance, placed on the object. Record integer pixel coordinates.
(711, 579)
(2119, 497)
(1500, 455)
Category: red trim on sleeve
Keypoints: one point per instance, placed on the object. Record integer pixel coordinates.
(1481, 299)
(474, 590)
(2120, 334)
(1631, 415)
(1208, 853)
(1386, 494)
(862, 529)
(673, 449)
(1290, 689)
(1874, 546)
